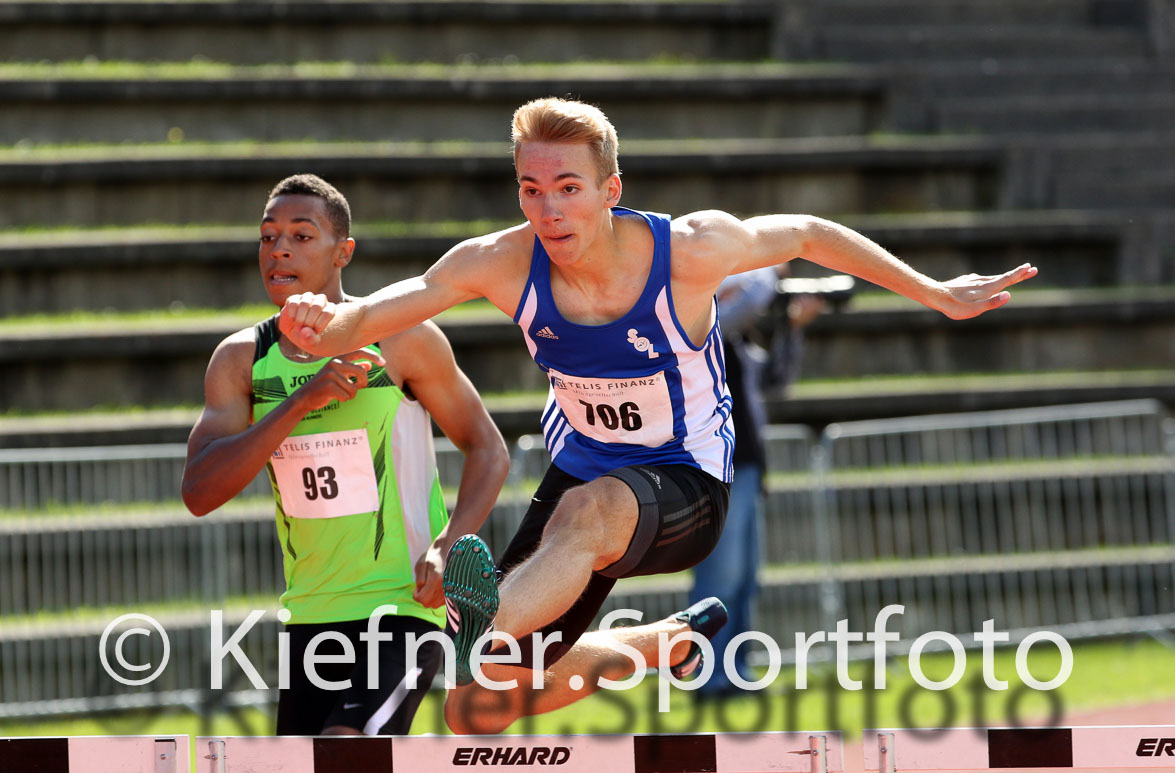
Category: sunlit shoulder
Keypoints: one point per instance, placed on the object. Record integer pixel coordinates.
(703, 243)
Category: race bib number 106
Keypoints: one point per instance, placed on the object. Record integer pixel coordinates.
(326, 475)
(617, 410)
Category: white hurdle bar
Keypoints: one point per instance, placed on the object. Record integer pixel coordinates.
(967, 748)
(96, 754)
(818, 752)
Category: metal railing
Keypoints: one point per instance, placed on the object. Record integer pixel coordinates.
(38, 478)
(1061, 518)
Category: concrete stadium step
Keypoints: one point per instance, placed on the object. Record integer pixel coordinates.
(1037, 331)
(345, 102)
(212, 267)
(1072, 248)
(65, 369)
(917, 94)
(205, 266)
(1115, 76)
(1130, 174)
(954, 42)
(1119, 153)
(1041, 113)
(1124, 171)
(418, 30)
(822, 402)
(1045, 12)
(1142, 188)
(97, 428)
(1153, 190)
(811, 402)
(144, 365)
(1120, 170)
(111, 185)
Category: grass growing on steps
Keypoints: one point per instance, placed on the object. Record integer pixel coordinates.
(237, 316)
(145, 233)
(179, 317)
(873, 386)
(119, 69)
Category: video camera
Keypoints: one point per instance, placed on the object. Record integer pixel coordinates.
(836, 290)
(782, 339)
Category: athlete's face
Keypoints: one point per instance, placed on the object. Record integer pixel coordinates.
(562, 197)
(300, 251)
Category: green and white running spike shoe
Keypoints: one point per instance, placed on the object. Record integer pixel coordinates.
(471, 598)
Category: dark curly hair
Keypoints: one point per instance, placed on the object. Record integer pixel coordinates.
(338, 211)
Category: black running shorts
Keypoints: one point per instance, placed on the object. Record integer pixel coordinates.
(682, 510)
(307, 709)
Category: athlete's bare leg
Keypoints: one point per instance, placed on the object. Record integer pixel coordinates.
(473, 709)
(590, 529)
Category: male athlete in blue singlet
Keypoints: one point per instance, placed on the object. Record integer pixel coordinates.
(618, 308)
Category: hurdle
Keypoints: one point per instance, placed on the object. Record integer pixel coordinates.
(1080, 748)
(96, 754)
(817, 752)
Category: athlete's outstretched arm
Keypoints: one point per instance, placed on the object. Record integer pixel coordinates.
(768, 240)
(470, 270)
(426, 363)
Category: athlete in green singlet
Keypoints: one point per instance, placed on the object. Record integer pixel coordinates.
(347, 443)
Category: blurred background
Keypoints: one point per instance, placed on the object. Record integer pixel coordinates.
(1015, 467)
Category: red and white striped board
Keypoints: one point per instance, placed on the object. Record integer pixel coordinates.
(686, 753)
(95, 754)
(1080, 748)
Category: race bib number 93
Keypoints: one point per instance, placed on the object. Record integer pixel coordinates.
(326, 475)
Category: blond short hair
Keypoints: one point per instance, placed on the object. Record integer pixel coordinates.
(552, 119)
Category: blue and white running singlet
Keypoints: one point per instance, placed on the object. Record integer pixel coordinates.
(636, 390)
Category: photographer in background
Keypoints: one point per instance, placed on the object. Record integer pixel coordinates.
(729, 572)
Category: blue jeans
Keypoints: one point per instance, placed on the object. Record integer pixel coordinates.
(730, 571)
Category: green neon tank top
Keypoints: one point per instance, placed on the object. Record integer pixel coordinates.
(358, 500)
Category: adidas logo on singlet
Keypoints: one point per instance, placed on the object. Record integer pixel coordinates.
(546, 333)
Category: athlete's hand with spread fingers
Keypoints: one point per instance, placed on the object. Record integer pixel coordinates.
(429, 570)
(340, 379)
(970, 295)
(304, 317)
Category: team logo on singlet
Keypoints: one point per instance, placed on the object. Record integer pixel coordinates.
(642, 344)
